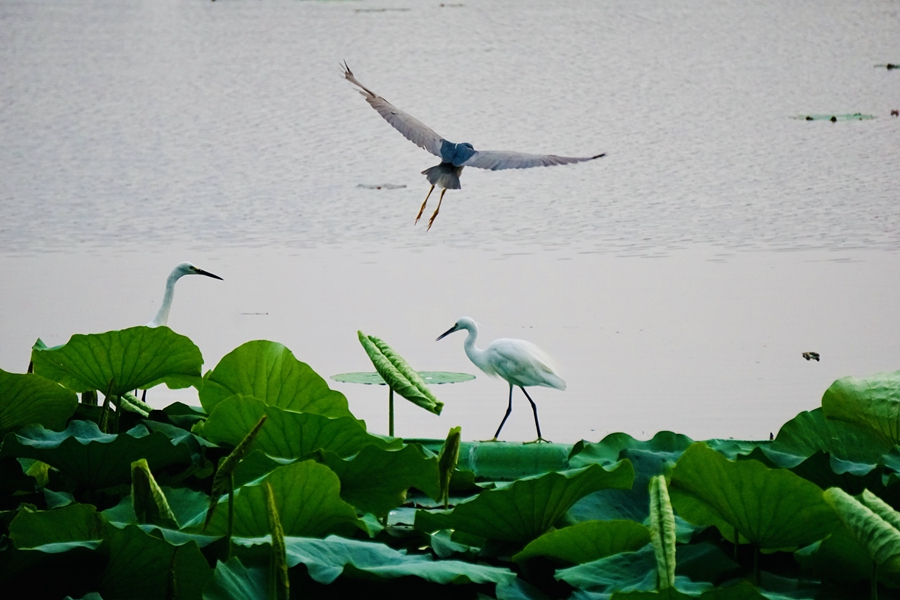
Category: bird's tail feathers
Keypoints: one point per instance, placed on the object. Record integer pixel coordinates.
(444, 175)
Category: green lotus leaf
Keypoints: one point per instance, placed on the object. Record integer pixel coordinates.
(588, 541)
(233, 581)
(188, 507)
(397, 373)
(28, 399)
(376, 480)
(662, 532)
(526, 508)
(880, 539)
(143, 566)
(94, 458)
(508, 461)
(148, 500)
(772, 508)
(279, 584)
(839, 558)
(59, 530)
(810, 432)
(137, 357)
(873, 402)
(269, 372)
(669, 593)
(308, 495)
(327, 559)
(286, 434)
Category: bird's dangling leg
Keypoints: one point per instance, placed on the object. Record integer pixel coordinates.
(506, 416)
(423, 205)
(437, 210)
(536, 424)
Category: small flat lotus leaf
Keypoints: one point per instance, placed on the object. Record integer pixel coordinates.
(76, 525)
(269, 372)
(91, 457)
(429, 377)
(526, 508)
(308, 495)
(773, 508)
(286, 434)
(880, 539)
(810, 432)
(376, 480)
(398, 374)
(137, 357)
(27, 399)
(143, 566)
(327, 559)
(233, 581)
(873, 402)
(588, 541)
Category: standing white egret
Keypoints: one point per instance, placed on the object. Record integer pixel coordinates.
(185, 268)
(519, 362)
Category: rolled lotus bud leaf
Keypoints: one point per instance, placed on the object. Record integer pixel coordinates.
(397, 373)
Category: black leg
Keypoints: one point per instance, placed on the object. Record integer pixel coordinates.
(537, 425)
(508, 410)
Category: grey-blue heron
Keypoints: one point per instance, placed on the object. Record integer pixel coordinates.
(185, 268)
(453, 156)
(519, 362)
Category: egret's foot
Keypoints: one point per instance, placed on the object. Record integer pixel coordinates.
(539, 440)
(493, 439)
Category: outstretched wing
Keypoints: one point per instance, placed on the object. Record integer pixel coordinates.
(495, 160)
(412, 129)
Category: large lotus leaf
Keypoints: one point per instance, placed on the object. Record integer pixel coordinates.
(526, 508)
(880, 539)
(306, 493)
(508, 461)
(810, 432)
(665, 445)
(91, 457)
(189, 507)
(27, 399)
(397, 373)
(53, 531)
(269, 372)
(327, 559)
(873, 402)
(143, 566)
(286, 434)
(588, 541)
(233, 581)
(137, 357)
(375, 480)
(773, 508)
(839, 558)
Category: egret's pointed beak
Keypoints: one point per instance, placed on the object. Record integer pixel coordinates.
(208, 274)
(446, 333)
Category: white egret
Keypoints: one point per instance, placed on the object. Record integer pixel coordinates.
(185, 268)
(519, 362)
(453, 156)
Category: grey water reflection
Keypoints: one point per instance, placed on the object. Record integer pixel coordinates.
(138, 135)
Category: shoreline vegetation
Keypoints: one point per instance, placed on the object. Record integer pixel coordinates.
(272, 488)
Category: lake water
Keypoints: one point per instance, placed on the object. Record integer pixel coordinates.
(676, 281)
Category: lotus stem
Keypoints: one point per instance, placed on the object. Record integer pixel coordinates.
(230, 512)
(874, 580)
(756, 565)
(390, 411)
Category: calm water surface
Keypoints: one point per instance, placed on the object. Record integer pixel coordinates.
(676, 280)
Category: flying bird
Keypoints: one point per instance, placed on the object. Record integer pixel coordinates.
(519, 362)
(453, 156)
(185, 268)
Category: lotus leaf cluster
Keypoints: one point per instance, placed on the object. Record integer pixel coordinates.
(269, 487)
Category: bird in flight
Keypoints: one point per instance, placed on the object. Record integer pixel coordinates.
(453, 156)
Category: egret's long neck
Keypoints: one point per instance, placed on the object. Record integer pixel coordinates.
(475, 354)
(162, 315)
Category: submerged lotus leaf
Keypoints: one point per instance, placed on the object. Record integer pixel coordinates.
(770, 507)
(375, 480)
(873, 402)
(137, 357)
(94, 458)
(59, 530)
(309, 496)
(397, 373)
(269, 372)
(525, 509)
(327, 559)
(286, 434)
(588, 541)
(27, 399)
(144, 566)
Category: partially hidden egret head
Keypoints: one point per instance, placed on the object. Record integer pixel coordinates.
(185, 268)
(453, 156)
(519, 362)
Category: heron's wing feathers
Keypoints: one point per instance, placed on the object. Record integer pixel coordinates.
(499, 159)
(412, 129)
(523, 363)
